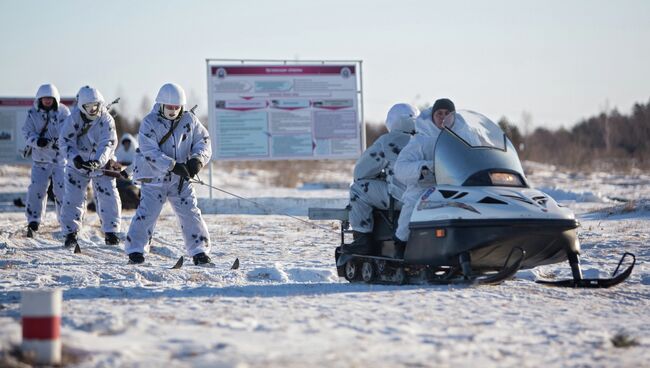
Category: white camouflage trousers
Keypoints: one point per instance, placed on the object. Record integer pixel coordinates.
(366, 194)
(410, 198)
(152, 198)
(107, 199)
(37, 191)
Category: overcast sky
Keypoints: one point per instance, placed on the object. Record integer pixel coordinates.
(558, 60)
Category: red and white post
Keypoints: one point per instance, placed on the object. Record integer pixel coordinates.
(41, 320)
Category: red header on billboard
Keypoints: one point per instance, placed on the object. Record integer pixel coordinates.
(16, 101)
(283, 70)
(27, 101)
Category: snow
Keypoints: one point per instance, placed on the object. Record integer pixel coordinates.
(285, 306)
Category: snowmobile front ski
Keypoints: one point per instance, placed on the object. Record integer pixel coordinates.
(579, 282)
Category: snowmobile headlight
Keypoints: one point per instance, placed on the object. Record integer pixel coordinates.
(505, 179)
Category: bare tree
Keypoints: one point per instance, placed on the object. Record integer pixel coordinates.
(527, 122)
(605, 114)
(145, 107)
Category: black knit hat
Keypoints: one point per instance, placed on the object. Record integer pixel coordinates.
(443, 103)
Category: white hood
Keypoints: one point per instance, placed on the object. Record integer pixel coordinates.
(401, 118)
(47, 90)
(125, 156)
(129, 137)
(424, 125)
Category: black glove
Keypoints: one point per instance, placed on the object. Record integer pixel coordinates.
(92, 164)
(42, 142)
(78, 162)
(181, 170)
(194, 165)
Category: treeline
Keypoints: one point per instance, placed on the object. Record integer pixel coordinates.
(609, 141)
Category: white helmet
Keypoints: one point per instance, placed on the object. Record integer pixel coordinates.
(171, 94)
(402, 117)
(90, 102)
(171, 98)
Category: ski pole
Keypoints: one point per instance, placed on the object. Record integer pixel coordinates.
(196, 180)
(107, 171)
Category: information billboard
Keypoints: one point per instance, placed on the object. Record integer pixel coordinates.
(13, 112)
(285, 111)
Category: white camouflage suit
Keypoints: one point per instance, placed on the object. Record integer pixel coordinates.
(152, 169)
(98, 143)
(47, 161)
(374, 180)
(417, 154)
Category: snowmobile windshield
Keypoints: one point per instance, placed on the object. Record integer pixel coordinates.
(472, 150)
(475, 129)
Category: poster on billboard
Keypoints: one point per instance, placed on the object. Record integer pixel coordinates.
(280, 111)
(13, 112)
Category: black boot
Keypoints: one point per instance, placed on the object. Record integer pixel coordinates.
(32, 228)
(111, 239)
(136, 258)
(201, 258)
(71, 240)
(400, 247)
(362, 244)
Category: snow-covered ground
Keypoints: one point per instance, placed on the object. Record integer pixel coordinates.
(285, 306)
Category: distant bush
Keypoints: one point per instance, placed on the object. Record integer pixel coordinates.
(606, 142)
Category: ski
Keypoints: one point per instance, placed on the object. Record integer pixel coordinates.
(234, 266)
(598, 283)
(178, 264)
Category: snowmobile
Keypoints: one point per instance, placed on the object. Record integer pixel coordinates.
(479, 224)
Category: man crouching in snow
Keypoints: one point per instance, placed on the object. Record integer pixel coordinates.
(374, 180)
(174, 146)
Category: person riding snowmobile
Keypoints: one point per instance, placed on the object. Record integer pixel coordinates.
(374, 179)
(414, 165)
